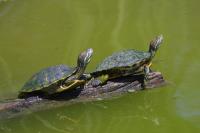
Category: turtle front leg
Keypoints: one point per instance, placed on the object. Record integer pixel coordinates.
(86, 76)
(146, 74)
(70, 85)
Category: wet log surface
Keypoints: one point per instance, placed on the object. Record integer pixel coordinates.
(116, 87)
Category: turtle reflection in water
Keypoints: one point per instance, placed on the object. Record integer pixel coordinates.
(57, 79)
(125, 63)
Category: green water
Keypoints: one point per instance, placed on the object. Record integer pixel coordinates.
(38, 33)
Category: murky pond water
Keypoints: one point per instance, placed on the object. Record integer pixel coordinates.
(35, 34)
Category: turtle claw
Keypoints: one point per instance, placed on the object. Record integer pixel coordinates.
(96, 82)
(148, 76)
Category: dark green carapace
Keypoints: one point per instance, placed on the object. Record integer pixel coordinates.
(47, 77)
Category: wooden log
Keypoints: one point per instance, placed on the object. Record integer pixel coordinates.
(16, 107)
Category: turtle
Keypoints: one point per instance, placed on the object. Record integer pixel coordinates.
(56, 79)
(126, 63)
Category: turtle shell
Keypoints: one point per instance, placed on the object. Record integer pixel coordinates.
(47, 77)
(123, 59)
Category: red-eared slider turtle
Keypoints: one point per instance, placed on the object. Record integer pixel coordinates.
(126, 62)
(57, 78)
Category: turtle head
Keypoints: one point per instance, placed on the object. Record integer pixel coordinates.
(84, 58)
(155, 44)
